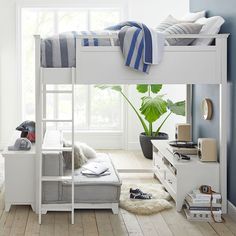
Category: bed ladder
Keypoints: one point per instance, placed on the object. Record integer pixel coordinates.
(43, 208)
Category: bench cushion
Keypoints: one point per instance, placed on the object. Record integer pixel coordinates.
(101, 189)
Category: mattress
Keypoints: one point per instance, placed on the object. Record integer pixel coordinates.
(103, 189)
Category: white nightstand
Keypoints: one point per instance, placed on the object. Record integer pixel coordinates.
(181, 177)
(19, 177)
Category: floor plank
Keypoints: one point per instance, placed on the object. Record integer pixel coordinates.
(118, 225)
(89, 223)
(104, 223)
(205, 228)
(20, 220)
(6, 221)
(47, 226)
(160, 225)
(131, 223)
(221, 229)
(230, 224)
(146, 225)
(61, 224)
(178, 224)
(32, 226)
(77, 228)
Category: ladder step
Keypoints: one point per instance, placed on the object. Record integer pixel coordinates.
(56, 178)
(57, 207)
(58, 91)
(56, 120)
(51, 149)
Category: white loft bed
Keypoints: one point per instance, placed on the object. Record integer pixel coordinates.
(180, 65)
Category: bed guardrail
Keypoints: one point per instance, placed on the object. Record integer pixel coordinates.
(166, 36)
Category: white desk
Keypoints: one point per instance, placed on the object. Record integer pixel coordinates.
(181, 177)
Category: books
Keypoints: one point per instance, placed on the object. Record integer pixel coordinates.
(203, 216)
(203, 207)
(191, 198)
(200, 195)
(198, 206)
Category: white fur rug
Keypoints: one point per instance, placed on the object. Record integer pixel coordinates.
(158, 203)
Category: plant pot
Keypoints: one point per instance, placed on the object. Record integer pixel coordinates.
(146, 145)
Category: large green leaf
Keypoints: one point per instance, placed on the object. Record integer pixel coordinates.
(113, 87)
(155, 88)
(153, 108)
(143, 88)
(178, 108)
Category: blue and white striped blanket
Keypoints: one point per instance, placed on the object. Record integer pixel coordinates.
(141, 46)
(60, 50)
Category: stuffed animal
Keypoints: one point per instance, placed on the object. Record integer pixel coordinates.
(27, 129)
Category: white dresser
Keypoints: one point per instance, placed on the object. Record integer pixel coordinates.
(181, 177)
(19, 177)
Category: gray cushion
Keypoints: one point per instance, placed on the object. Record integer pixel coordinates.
(182, 28)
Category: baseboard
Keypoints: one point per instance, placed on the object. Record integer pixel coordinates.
(232, 210)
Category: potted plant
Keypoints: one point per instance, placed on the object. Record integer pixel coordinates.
(153, 106)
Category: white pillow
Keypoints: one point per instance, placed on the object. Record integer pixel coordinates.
(89, 152)
(211, 25)
(193, 16)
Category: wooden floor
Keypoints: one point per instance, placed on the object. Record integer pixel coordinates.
(21, 220)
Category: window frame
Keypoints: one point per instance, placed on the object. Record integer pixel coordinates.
(117, 6)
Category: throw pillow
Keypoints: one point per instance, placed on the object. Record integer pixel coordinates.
(89, 152)
(169, 21)
(79, 157)
(182, 28)
(211, 25)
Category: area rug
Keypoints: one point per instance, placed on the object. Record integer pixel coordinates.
(159, 201)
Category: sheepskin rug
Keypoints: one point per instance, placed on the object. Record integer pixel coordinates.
(159, 201)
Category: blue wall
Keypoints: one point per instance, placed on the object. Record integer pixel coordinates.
(226, 9)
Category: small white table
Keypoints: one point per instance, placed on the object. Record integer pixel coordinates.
(19, 177)
(181, 177)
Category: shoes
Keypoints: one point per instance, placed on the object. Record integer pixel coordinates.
(138, 194)
(138, 191)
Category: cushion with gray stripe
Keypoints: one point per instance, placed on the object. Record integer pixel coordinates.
(169, 21)
(182, 28)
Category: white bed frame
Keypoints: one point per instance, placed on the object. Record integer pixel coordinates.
(105, 65)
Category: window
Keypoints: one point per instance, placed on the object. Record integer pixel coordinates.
(92, 105)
